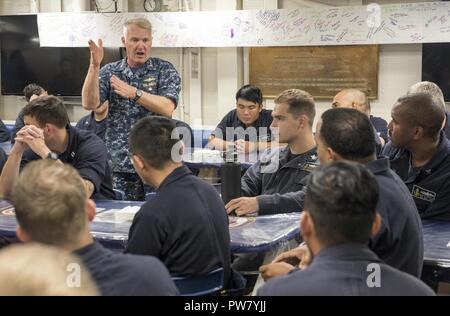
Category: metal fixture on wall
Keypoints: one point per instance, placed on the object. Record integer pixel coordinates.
(153, 5)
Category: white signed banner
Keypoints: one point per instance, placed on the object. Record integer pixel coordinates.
(372, 24)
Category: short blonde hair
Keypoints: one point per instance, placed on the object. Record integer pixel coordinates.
(143, 23)
(49, 199)
(34, 269)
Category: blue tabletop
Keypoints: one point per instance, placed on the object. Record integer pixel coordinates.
(205, 158)
(436, 242)
(113, 220)
(247, 234)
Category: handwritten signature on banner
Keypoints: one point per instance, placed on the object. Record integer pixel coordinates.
(372, 24)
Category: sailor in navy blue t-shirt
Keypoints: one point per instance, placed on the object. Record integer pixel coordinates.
(420, 153)
(49, 135)
(95, 122)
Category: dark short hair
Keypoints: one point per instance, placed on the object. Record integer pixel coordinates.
(47, 109)
(422, 109)
(151, 138)
(250, 93)
(341, 198)
(31, 89)
(348, 132)
(430, 88)
(299, 101)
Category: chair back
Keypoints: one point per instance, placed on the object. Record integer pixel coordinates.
(207, 284)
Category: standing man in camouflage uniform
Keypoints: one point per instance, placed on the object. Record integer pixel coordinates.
(135, 87)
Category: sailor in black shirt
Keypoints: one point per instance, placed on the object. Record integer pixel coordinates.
(422, 158)
(96, 122)
(433, 89)
(4, 133)
(30, 92)
(247, 127)
(48, 134)
(339, 216)
(380, 126)
(52, 208)
(185, 225)
(358, 100)
(347, 134)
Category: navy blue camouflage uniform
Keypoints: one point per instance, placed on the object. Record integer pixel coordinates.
(157, 77)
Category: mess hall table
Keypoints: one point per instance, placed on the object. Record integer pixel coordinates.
(260, 234)
(205, 158)
(113, 220)
(436, 265)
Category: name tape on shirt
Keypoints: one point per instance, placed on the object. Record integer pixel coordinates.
(423, 194)
(309, 166)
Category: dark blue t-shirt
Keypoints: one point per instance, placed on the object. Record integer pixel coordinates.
(381, 126)
(17, 126)
(185, 225)
(3, 158)
(261, 125)
(119, 274)
(447, 125)
(4, 133)
(399, 242)
(89, 123)
(346, 270)
(430, 184)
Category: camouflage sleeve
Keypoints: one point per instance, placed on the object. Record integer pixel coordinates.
(169, 84)
(105, 83)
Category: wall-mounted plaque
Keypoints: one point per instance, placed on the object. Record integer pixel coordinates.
(321, 70)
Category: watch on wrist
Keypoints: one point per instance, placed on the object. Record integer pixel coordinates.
(52, 155)
(138, 94)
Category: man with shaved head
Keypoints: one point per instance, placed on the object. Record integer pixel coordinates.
(423, 157)
(436, 92)
(358, 100)
(351, 98)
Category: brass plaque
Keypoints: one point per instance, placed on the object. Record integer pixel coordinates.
(321, 70)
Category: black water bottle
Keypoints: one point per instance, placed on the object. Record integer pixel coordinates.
(231, 176)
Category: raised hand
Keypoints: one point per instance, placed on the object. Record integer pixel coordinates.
(96, 52)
